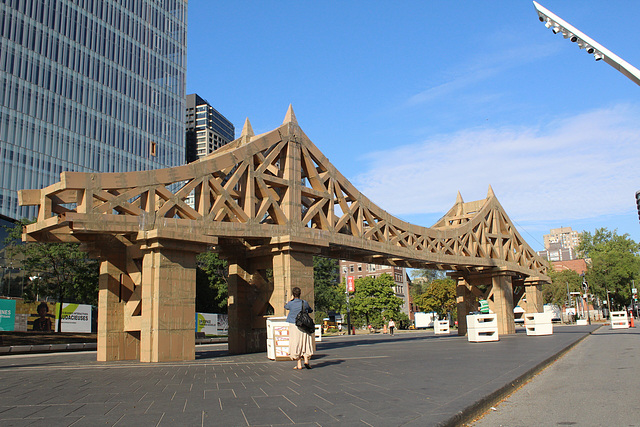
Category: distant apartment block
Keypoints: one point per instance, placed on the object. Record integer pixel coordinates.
(560, 244)
(206, 129)
(359, 270)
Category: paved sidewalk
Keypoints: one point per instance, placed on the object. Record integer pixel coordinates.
(413, 379)
(595, 384)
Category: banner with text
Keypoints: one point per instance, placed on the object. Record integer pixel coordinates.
(212, 324)
(75, 317)
(7, 314)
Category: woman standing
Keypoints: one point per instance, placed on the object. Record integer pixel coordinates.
(301, 343)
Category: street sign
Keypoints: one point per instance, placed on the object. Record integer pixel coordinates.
(350, 284)
(634, 290)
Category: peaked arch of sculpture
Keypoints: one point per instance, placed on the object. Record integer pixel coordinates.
(265, 202)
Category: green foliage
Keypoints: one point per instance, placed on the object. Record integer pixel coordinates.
(440, 297)
(430, 275)
(556, 291)
(211, 283)
(421, 279)
(329, 295)
(374, 300)
(63, 271)
(614, 264)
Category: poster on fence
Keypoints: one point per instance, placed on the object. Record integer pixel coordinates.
(7, 314)
(212, 324)
(75, 317)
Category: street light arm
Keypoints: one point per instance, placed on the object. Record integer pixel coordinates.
(559, 25)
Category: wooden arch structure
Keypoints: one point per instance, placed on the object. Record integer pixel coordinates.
(265, 202)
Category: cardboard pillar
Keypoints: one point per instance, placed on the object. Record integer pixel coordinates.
(502, 304)
(533, 292)
(168, 300)
(465, 301)
(248, 303)
(114, 343)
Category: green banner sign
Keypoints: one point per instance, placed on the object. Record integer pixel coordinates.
(7, 314)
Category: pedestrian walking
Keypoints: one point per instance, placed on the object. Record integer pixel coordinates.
(301, 343)
(392, 325)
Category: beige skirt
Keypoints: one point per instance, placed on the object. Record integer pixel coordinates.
(300, 343)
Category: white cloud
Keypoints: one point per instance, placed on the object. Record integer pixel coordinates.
(574, 168)
(481, 67)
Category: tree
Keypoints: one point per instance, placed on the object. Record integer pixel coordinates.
(556, 291)
(440, 297)
(61, 270)
(374, 300)
(212, 287)
(614, 264)
(329, 295)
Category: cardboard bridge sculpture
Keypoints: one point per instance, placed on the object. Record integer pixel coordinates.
(264, 202)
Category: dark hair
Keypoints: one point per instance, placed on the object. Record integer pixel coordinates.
(296, 292)
(43, 305)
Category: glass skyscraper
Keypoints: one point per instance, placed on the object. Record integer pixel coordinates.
(90, 86)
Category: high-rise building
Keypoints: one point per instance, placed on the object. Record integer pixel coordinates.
(207, 129)
(399, 274)
(565, 236)
(560, 244)
(88, 85)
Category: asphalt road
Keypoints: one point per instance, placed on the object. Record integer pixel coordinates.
(410, 379)
(595, 384)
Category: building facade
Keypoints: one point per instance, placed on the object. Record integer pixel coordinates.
(560, 244)
(88, 85)
(399, 274)
(206, 129)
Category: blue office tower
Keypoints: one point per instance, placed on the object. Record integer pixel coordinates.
(88, 85)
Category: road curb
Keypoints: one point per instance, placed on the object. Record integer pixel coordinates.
(47, 348)
(484, 404)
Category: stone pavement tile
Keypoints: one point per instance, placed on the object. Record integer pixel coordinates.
(55, 421)
(349, 414)
(238, 403)
(55, 411)
(310, 414)
(16, 422)
(232, 417)
(193, 418)
(21, 411)
(97, 397)
(94, 409)
(340, 397)
(215, 394)
(265, 416)
(273, 402)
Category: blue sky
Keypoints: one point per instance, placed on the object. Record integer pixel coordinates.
(414, 101)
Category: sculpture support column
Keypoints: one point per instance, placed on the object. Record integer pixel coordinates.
(465, 301)
(168, 300)
(533, 291)
(248, 303)
(290, 269)
(502, 304)
(252, 297)
(114, 343)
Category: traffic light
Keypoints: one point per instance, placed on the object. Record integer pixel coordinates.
(638, 202)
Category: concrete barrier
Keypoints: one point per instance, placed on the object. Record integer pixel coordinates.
(619, 320)
(441, 327)
(482, 328)
(538, 323)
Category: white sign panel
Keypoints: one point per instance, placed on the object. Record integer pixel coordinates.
(75, 318)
